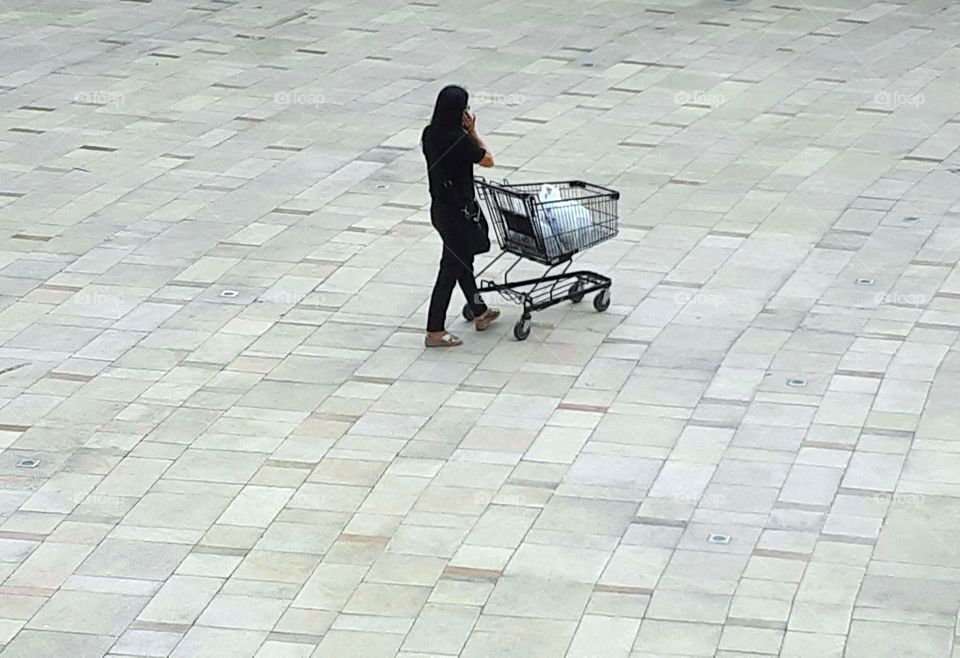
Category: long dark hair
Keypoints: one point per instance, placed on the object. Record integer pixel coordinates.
(449, 108)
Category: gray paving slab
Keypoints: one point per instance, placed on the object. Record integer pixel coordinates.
(220, 434)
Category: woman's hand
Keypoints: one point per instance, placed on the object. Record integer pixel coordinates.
(470, 122)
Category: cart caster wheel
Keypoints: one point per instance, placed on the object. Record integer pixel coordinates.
(602, 301)
(467, 313)
(521, 330)
(576, 293)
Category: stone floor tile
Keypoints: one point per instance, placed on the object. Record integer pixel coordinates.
(236, 538)
(811, 485)
(181, 600)
(124, 558)
(146, 643)
(557, 444)
(215, 466)
(87, 612)
(804, 645)
(558, 563)
(681, 481)
(515, 638)
(387, 600)
(759, 610)
(441, 629)
(635, 566)
(212, 289)
(171, 510)
(209, 642)
(586, 515)
(873, 471)
(255, 506)
(276, 649)
(883, 639)
(277, 566)
(751, 640)
(820, 618)
(31, 643)
(244, 612)
(461, 592)
(681, 638)
(49, 565)
(607, 636)
(482, 557)
(61, 493)
(669, 605)
(352, 644)
(833, 584)
(425, 540)
(523, 596)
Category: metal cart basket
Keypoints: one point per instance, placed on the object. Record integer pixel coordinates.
(547, 223)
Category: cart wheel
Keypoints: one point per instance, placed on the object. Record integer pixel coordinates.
(521, 330)
(467, 313)
(602, 301)
(576, 293)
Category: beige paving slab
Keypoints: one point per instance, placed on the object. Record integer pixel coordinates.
(221, 432)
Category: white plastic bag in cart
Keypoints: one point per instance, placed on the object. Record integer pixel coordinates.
(572, 224)
(551, 242)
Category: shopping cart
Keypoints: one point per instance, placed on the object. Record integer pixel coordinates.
(547, 223)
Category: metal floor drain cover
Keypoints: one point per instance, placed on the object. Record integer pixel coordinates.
(229, 293)
(719, 539)
(28, 462)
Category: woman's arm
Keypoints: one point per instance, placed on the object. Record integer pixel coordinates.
(487, 160)
(470, 124)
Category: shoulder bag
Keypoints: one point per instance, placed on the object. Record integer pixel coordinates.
(475, 226)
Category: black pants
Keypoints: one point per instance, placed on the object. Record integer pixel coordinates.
(456, 267)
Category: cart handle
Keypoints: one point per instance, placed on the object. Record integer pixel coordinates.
(580, 183)
(572, 183)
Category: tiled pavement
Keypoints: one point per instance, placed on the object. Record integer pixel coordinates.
(214, 261)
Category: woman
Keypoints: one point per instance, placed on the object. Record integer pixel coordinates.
(452, 147)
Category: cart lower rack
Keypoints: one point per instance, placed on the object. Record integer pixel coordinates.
(548, 223)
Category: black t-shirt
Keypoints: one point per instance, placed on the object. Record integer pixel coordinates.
(450, 156)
